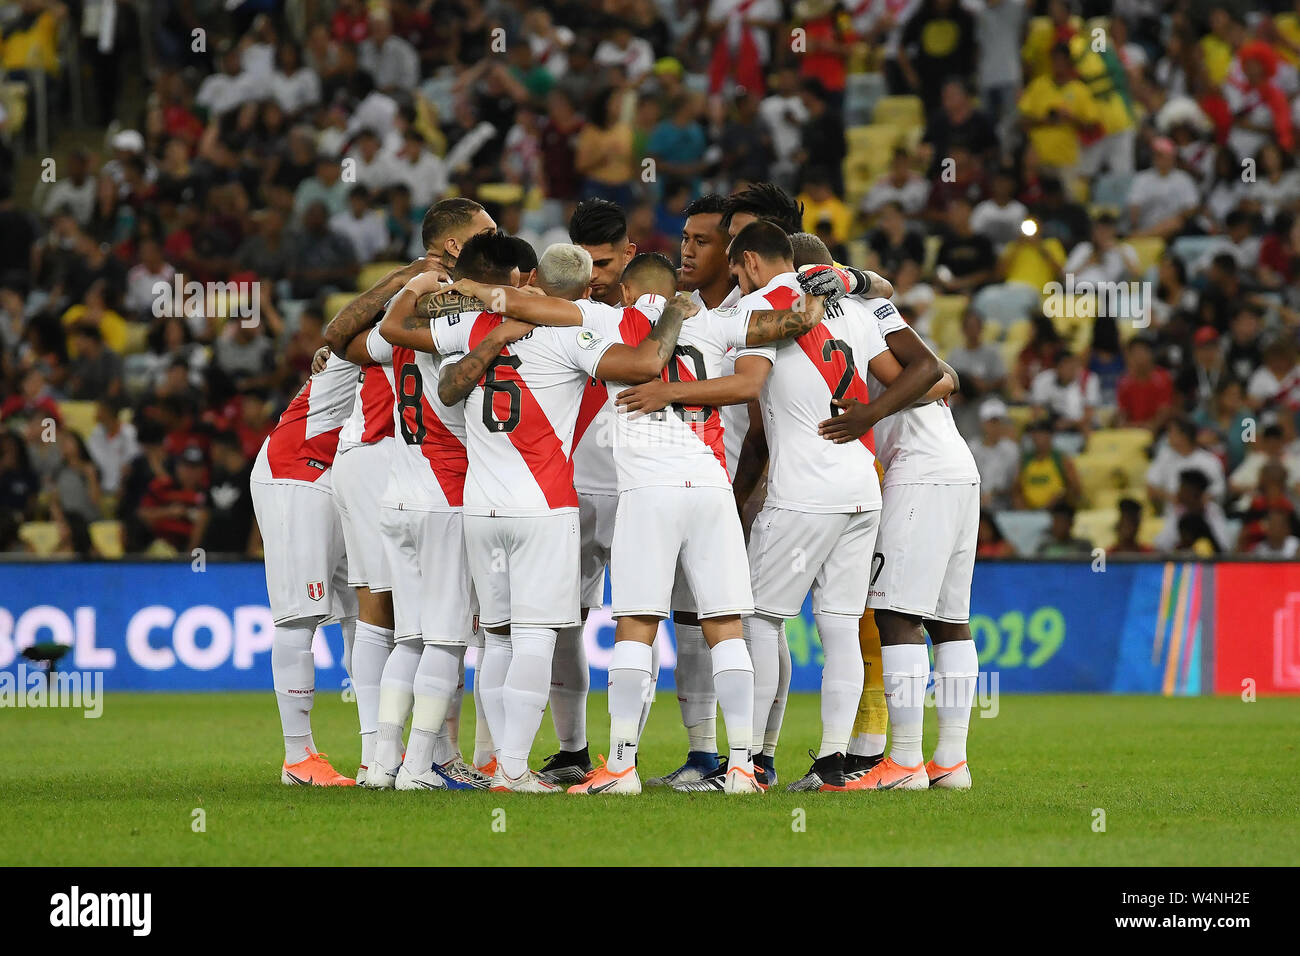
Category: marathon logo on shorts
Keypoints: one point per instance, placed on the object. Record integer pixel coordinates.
(316, 590)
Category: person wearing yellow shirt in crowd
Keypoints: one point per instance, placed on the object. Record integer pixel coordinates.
(31, 41)
(1056, 110)
(94, 311)
(604, 152)
(1032, 261)
(1046, 476)
(1045, 32)
(1219, 46)
(821, 204)
(1286, 27)
(1111, 146)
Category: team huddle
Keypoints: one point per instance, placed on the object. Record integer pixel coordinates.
(490, 431)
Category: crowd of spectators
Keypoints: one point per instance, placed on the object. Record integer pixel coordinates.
(1026, 147)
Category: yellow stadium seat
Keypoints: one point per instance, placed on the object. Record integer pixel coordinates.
(158, 548)
(106, 536)
(79, 416)
(372, 273)
(41, 536)
(945, 321)
(905, 111)
(859, 252)
(1111, 497)
(503, 193)
(1150, 527)
(1149, 249)
(873, 138)
(1118, 441)
(1103, 472)
(1096, 525)
(932, 246)
(137, 338)
(1020, 416)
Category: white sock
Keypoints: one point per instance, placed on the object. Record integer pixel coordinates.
(570, 681)
(695, 692)
(528, 683)
(369, 654)
(483, 748)
(629, 686)
(867, 745)
(842, 677)
(906, 670)
(956, 668)
(450, 733)
(776, 716)
(733, 676)
(396, 696)
(650, 694)
(348, 625)
(434, 687)
(293, 672)
(493, 666)
(762, 634)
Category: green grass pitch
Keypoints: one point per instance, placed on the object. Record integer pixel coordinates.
(1203, 781)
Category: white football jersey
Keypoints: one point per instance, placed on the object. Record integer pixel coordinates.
(918, 445)
(682, 445)
(735, 418)
(428, 464)
(519, 419)
(805, 471)
(306, 438)
(372, 409)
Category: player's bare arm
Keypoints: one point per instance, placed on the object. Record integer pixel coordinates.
(891, 368)
(752, 462)
(773, 325)
(634, 365)
(362, 312)
(457, 379)
(918, 376)
(741, 386)
(402, 325)
(522, 303)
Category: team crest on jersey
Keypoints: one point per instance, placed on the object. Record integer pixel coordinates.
(587, 339)
(726, 312)
(316, 590)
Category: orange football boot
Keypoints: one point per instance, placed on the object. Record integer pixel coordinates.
(315, 771)
(888, 775)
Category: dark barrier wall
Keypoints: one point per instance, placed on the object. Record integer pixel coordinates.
(1152, 627)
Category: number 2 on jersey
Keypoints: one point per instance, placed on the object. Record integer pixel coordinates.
(829, 348)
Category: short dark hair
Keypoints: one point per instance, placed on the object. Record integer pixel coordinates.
(446, 215)
(645, 264)
(1130, 506)
(710, 204)
(597, 222)
(487, 257)
(1195, 479)
(810, 250)
(764, 239)
(526, 254)
(766, 201)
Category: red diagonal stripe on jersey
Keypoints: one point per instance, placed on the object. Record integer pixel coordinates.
(376, 405)
(444, 452)
(832, 371)
(710, 430)
(782, 297)
(538, 445)
(289, 449)
(594, 397)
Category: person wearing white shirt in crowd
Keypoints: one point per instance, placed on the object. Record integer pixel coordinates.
(230, 89)
(257, 58)
(1181, 453)
(373, 168)
(362, 226)
(784, 113)
(549, 43)
(996, 456)
(1068, 392)
(294, 86)
(998, 27)
(1161, 199)
(1278, 541)
(73, 191)
(1277, 380)
(881, 22)
(1104, 258)
(144, 276)
(623, 49)
(389, 59)
(1000, 217)
(901, 184)
(1272, 448)
(112, 445)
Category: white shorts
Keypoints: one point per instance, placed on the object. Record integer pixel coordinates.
(596, 530)
(662, 529)
(525, 569)
(433, 596)
(794, 552)
(306, 562)
(925, 554)
(360, 477)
